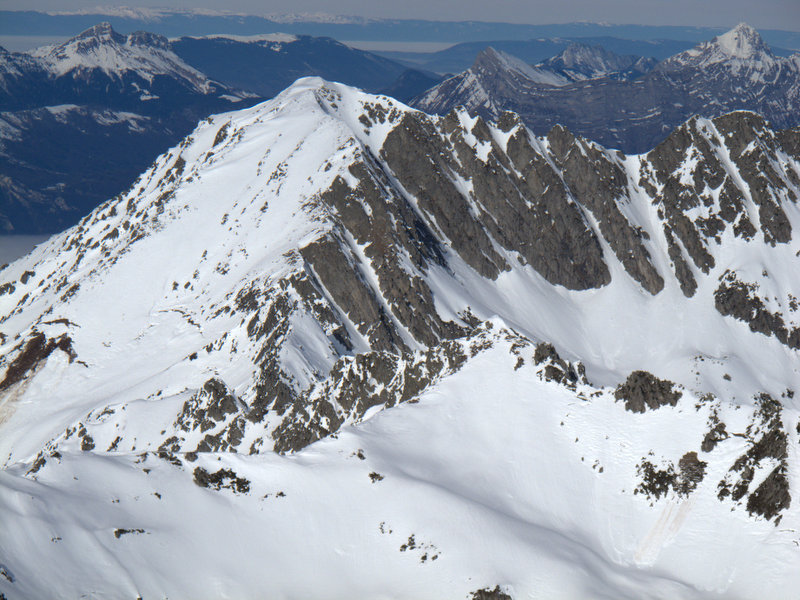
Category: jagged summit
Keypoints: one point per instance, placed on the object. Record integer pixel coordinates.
(579, 62)
(102, 32)
(100, 48)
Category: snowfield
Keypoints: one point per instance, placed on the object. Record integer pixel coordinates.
(497, 476)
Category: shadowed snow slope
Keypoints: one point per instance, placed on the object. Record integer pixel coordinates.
(333, 347)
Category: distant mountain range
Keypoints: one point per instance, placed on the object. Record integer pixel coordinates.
(635, 108)
(80, 119)
(268, 64)
(180, 22)
(460, 57)
(113, 102)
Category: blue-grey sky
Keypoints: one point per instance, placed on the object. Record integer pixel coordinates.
(773, 14)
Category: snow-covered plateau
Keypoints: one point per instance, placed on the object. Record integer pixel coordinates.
(333, 347)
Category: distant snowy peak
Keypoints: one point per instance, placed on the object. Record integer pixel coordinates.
(494, 69)
(100, 48)
(742, 44)
(496, 62)
(632, 109)
(581, 61)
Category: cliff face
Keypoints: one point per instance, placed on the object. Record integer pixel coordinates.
(291, 270)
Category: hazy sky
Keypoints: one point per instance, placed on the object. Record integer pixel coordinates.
(775, 14)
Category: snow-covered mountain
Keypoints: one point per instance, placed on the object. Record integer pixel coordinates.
(740, 64)
(330, 346)
(496, 74)
(734, 71)
(116, 101)
(741, 47)
(142, 55)
(581, 61)
(102, 66)
(121, 100)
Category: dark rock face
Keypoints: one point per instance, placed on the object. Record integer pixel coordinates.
(643, 390)
(413, 151)
(715, 435)
(30, 355)
(599, 182)
(768, 443)
(751, 144)
(211, 406)
(360, 383)
(675, 197)
(529, 212)
(686, 176)
(386, 225)
(772, 496)
(491, 594)
(555, 368)
(224, 478)
(683, 481)
(741, 301)
(340, 275)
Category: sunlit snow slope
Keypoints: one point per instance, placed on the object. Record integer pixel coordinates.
(332, 347)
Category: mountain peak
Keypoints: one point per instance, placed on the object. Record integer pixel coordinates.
(741, 42)
(741, 46)
(100, 32)
(582, 61)
(496, 62)
(332, 265)
(100, 48)
(493, 59)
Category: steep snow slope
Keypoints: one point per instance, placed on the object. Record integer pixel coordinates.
(297, 268)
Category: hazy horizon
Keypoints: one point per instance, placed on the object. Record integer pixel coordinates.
(771, 14)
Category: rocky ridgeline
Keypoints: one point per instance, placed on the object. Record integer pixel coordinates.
(351, 320)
